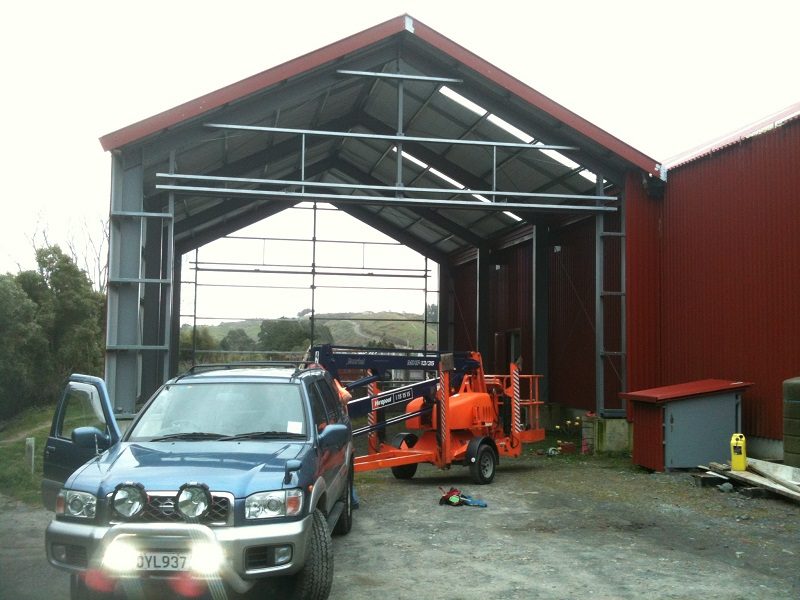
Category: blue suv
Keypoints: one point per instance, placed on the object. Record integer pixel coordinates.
(228, 475)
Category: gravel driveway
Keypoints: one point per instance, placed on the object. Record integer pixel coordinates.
(555, 527)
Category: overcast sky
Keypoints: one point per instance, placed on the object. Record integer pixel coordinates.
(661, 76)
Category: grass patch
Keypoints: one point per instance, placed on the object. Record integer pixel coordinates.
(16, 479)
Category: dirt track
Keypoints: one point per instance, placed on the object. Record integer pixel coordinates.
(567, 527)
(561, 527)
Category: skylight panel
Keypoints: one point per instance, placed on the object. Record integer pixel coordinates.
(568, 162)
(446, 178)
(509, 128)
(412, 158)
(459, 99)
(453, 182)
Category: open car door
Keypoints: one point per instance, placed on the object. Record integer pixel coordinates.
(83, 427)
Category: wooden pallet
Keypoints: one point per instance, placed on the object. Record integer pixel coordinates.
(776, 478)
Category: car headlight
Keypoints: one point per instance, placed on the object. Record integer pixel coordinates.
(129, 499)
(193, 500)
(71, 503)
(280, 503)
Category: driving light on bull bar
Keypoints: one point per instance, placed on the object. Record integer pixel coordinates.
(279, 503)
(120, 556)
(129, 499)
(206, 558)
(193, 500)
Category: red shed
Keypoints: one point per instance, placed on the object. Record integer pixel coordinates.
(713, 272)
(684, 425)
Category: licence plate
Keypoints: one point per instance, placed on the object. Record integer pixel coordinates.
(162, 561)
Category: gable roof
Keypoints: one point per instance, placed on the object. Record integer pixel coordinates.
(470, 134)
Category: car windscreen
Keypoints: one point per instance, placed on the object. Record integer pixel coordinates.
(211, 410)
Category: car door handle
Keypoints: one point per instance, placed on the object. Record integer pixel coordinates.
(49, 449)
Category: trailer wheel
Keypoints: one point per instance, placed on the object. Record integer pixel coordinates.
(482, 470)
(404, 440)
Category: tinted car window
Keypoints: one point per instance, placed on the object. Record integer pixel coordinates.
(319, 414)
(332, 403)
(223, 408)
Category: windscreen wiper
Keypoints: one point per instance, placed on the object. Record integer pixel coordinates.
(191, 436)
(263, 435)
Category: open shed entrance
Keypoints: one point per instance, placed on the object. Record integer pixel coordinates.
(405, 131)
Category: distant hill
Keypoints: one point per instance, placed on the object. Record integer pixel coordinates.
(352, 329)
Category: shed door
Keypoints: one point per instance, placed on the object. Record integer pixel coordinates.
(698, 430)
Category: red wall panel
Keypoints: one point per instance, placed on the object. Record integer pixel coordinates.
(464, 306)
(512, 302)
(648, 434)
(571, 316)
(730, 284)
(643, 285)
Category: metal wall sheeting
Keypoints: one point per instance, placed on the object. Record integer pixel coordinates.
(571, 316)
(729, 288)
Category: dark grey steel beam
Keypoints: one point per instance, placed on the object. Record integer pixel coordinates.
(393, 231)
(429, 215)
(482, 296)
(366, 200)
(453, 227)
(390, 137)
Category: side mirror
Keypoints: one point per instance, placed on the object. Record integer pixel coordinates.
(292, 465)
(92, 438)
(334, 436)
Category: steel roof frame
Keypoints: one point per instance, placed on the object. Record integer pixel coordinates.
(322, 90)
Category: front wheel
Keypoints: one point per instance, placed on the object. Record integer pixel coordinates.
(315, 580)
(345, 521)
(78, 590)
(482, 469)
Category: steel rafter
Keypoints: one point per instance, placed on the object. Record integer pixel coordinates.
(385, 201)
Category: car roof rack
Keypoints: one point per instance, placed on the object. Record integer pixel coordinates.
(202, 368)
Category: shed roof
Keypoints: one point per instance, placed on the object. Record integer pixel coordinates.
(759, 127)
(242, 153)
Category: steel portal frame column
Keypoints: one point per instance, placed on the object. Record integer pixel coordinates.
(445, 328)
(482, 284)
(125, 238)
(603, 355)
(541, 307)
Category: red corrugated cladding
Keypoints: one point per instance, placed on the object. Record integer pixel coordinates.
(510, 309)
(464, 306)
(571, 316)
(512, 304)
(648, 434)
(643, 284)
(730, 275)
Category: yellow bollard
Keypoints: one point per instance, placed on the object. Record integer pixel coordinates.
(738, 452)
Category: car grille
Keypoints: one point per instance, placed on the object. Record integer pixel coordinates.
(76, 555)
(259, 557)
(161, 509)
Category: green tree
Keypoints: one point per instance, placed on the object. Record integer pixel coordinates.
(291, 335)
(192, 339)
(51, 322)
(76, 329)
(23, 350)
(432, 313)
(237, 339)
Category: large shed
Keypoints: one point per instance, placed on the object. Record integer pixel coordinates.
(717, 287)
(525, 206)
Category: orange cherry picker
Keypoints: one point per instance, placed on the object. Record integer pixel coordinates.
(462, 415)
